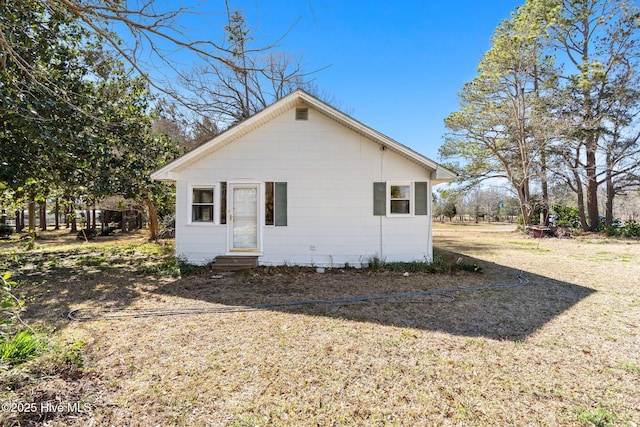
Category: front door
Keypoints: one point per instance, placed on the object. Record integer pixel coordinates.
(244, 235)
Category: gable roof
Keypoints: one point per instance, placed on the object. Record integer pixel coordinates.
(298, 98)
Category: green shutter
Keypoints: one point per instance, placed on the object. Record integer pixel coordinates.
(223, 203)
(422, 198)
(379, 198)
(280, 208)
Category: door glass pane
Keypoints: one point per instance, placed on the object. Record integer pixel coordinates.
(245, 218)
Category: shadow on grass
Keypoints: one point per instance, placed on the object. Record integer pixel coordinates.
(511, 313)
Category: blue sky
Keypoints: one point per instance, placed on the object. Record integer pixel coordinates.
(396, 66)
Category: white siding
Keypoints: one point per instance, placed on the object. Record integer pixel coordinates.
(330, 171)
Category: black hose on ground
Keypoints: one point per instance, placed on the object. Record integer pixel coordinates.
(437, 295)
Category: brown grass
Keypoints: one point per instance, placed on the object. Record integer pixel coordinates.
(561, 350)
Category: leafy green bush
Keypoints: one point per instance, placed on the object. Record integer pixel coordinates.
(567, 216)
(630, 229)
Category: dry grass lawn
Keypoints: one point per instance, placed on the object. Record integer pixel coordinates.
(562, 350)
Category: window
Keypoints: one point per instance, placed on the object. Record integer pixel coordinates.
(400, 199)
(202, 204)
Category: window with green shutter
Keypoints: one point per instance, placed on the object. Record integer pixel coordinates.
(400, 198)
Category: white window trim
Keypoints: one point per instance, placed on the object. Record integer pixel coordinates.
(216, 204)
(412, 198)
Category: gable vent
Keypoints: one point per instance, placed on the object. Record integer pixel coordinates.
(302, 114)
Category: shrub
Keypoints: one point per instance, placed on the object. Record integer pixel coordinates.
(438, 265)
(630, 229)
(567, 216)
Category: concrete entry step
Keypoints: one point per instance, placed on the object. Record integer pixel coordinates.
(234, 262)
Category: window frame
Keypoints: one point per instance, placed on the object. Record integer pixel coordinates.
(411, 198)
(215, 204)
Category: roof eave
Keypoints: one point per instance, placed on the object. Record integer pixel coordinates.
(169, 172)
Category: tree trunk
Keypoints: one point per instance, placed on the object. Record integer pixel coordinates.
(544, 213)
(608, 220)
(57, 209)
(592, 185)
(581, 213)
(154, 227)
(524, 200)
(19, 222)
(43, 216)
(32, 217)
(72, 216)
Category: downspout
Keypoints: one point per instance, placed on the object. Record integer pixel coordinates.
(430, 217)
(382, 150)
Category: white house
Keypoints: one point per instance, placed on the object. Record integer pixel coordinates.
(301, 183)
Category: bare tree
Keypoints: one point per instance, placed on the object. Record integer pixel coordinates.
(247, 81)
(147, 35)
